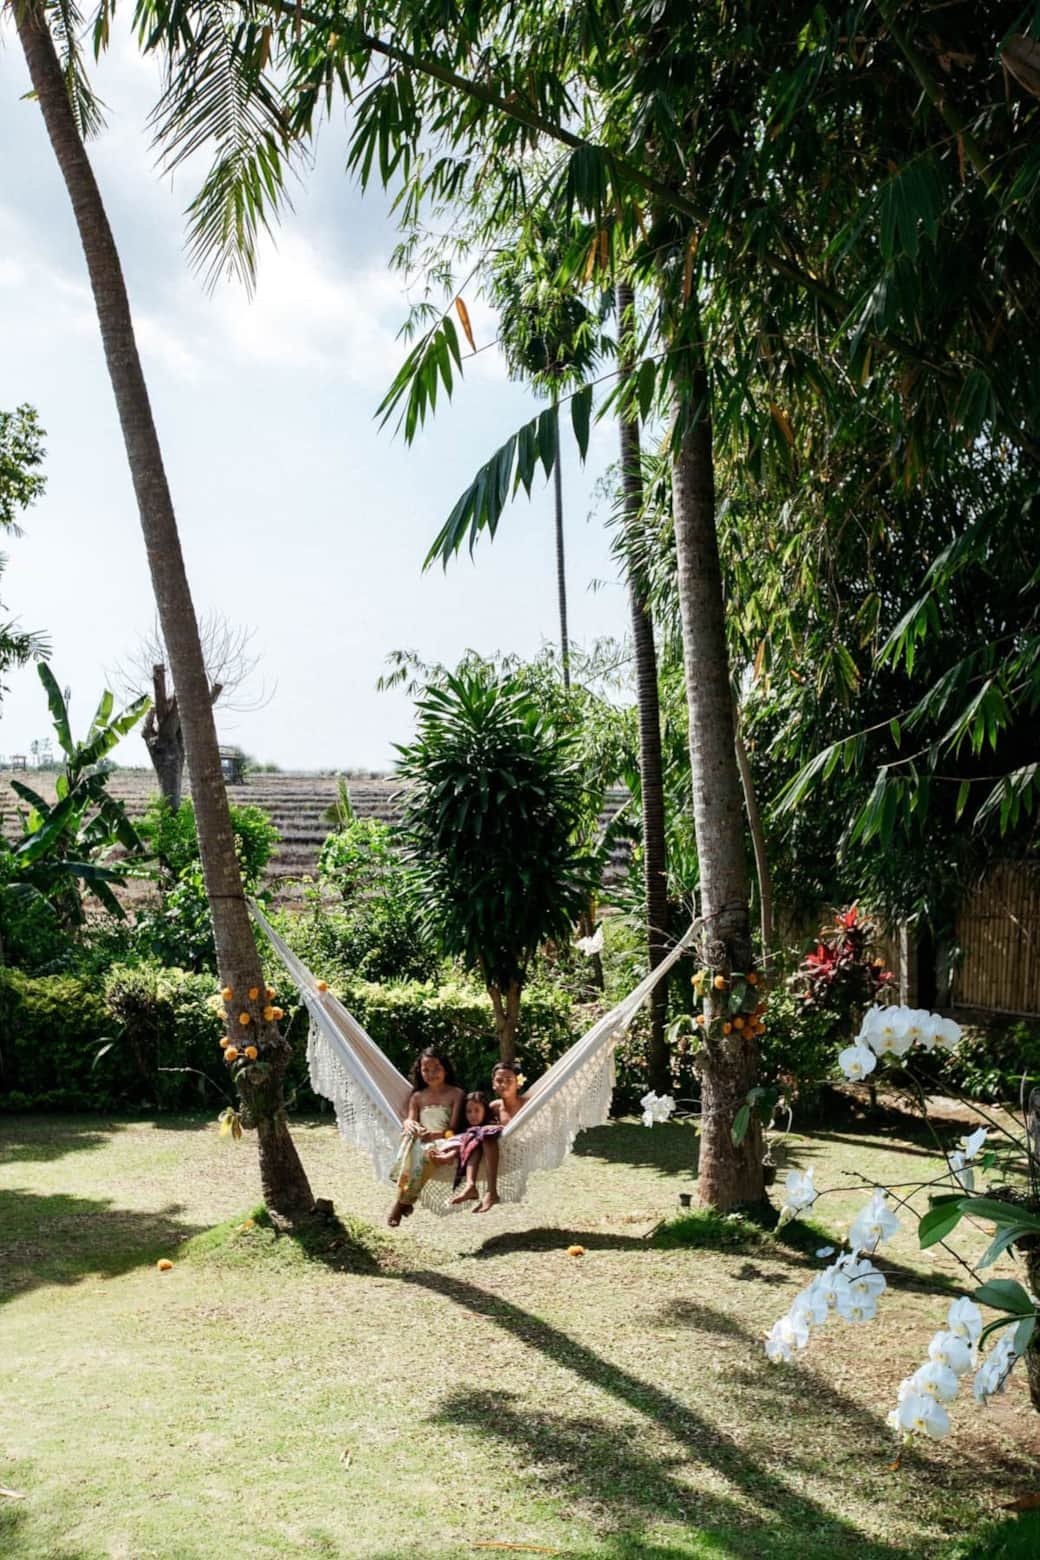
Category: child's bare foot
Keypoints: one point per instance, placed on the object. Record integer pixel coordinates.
(486, 1203)
(466, 1195)
(407, 1209)
(396, 1214)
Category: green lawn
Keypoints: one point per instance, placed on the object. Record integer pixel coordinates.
(465, 1382)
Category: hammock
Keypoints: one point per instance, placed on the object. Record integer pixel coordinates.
(371, 1097)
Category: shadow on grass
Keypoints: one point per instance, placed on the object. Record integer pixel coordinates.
(605, 1463)
(60, 1239)
(670, 1148)
(552, 1238)
(15, 1518)
(24, 1139)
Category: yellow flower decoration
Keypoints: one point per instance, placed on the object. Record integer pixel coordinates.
(254, 992)
(520, 1080)
(231, 1053)
(244, 1018)
(269, 1013)
(227, 993)
(251, 1052)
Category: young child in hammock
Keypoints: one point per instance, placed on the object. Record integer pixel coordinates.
(435, 1107)
(469, 1146)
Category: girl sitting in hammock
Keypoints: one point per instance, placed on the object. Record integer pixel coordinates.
(469, 1146)
(435, 1108)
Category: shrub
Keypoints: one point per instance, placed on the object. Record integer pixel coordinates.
(381, 940)
(360, 860)
(173, 837)
(989, 1063)
(143, 1020)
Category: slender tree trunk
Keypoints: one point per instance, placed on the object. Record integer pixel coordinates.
(164, 739)
(1031, 1248)
(727, 1064)
(651, 772)
(506, 1005)
(284, 1180)
(561, 570)
(758, 841)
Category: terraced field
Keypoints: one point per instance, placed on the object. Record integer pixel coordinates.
(295, 803)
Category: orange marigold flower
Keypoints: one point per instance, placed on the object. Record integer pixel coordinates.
(278, 1012)
(323, 985)
(268, 1013)
(224, 1041)
(251, 1052)
(164, 1264)
(254, 992)
(231, 1053)
(227, 993)
(719, 983)
(575, 1251)
(244, 1018)
(752, 979)
(700, 1018)
(726, 1028)
(738, 1022)
(271, 993)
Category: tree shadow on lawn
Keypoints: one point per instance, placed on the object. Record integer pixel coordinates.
(60, 1239)
(550, 1237)
(589, 1453)
(25, 1139)
(670, 1148)
(14, 1517)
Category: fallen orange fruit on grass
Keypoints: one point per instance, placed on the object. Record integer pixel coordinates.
(575, 1251)
(164, 1264)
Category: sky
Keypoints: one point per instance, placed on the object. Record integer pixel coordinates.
(300, 519)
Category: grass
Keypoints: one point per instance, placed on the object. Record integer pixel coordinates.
(462, 1381)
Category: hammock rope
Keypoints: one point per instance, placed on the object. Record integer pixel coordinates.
(370, 1096)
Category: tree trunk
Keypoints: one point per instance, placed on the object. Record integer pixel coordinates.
(561, 571)
(507, 1015)
(651, 773)
(758, 841)
(284, 1180)
(727, 1064)
(164, 739)
(1031, 1249)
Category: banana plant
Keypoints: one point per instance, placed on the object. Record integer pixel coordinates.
(68, 842)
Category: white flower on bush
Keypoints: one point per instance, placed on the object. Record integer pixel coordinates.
(785, 1336)
(848, 1288)
(936, 1380)
(856, 1061)
(959, 1161)
(656, 1107)
(864, 1278)
(873, 1224)
(995, 1369)
(799, 1194)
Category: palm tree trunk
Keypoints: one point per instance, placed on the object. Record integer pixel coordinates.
(284, 1180)
(561, 571)
(758, 841)
(651, 772)
(727, 1064)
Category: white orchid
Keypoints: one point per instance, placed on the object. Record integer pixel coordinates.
(950, 1350)
(962, 1172)
(973, 1145)
(874, 1223)
(855, 1307)
(832, 1286)
(810, 1306)
(884, 1031)
(825, 1251)
(856, 1061)
(784, 1337)
(799, 1193)
(656, 1107)
(864, 1278)
(590, 946)
(920, 1414)
(947, 1033)
(920, 1027)
(936, 1380)
(965, 1319)
(993, 1373)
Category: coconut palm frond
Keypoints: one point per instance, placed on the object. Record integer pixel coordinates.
(67, 28)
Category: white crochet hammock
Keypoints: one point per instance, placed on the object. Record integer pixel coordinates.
(371, 1097)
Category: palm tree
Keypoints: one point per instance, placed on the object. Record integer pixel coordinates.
(551, 340)
(63, 99)
(651, 778)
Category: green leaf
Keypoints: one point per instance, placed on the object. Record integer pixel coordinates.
(56, 703)
(741, 1122)
(1005, 1294)
(937, 1223)
(1000, 1213)
(1024, 1334)
(581, 410)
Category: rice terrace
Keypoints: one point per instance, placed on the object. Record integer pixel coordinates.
(519, 870)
